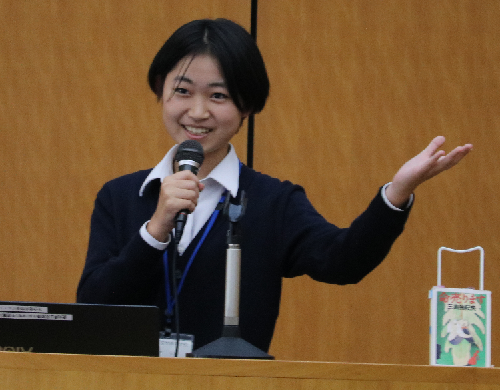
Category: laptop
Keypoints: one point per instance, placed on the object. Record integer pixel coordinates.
(79, 328)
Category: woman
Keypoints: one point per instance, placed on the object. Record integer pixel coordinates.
(210, 76)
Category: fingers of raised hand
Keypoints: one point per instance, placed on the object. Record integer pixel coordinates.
(434, 145)
(446, 161)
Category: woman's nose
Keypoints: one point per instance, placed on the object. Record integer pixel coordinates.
(198, 108)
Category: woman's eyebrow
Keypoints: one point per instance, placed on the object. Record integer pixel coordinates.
(179, 79)
(183, 78)
(218, 84)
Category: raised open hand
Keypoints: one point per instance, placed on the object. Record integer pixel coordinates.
(427, 164)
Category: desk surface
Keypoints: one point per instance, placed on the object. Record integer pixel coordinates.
(125, 372)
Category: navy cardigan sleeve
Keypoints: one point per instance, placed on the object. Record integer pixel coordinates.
(291, 231)
(331, 254)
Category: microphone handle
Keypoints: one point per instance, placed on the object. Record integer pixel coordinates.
(180, 222)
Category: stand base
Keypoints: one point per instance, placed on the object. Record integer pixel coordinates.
(230, 346)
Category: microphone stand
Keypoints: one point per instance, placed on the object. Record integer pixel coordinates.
(231, 345)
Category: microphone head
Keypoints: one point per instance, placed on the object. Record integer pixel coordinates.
(189, 155)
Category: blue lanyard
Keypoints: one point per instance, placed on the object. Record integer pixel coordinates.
(170, 301)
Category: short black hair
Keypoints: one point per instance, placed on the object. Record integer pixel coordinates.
(240, 60)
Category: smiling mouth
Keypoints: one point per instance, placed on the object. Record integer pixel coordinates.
(197, 130)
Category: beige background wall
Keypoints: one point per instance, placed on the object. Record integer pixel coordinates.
(357, 88)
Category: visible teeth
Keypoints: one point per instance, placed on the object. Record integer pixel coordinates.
(197, 130)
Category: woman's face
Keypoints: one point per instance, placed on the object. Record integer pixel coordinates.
(197, 106)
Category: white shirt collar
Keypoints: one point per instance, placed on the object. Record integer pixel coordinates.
(227, 173)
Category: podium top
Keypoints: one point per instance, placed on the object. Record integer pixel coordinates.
(181, 373)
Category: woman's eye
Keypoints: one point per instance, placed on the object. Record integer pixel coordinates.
(220, 96)
(181, 91)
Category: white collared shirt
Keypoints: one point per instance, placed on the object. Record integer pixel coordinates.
(224, 176)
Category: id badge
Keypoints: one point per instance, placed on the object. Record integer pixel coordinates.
(168, 345)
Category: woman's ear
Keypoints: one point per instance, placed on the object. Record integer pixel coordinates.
(243, 117)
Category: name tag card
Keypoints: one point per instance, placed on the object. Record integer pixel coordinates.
(168, 345)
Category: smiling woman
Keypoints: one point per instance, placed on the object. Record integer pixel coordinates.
(209, 76)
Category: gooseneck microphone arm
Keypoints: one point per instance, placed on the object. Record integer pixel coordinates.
(234, 212)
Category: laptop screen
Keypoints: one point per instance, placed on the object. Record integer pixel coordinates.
(79, 328)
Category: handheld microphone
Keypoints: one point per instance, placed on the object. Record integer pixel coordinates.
(189, 155)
